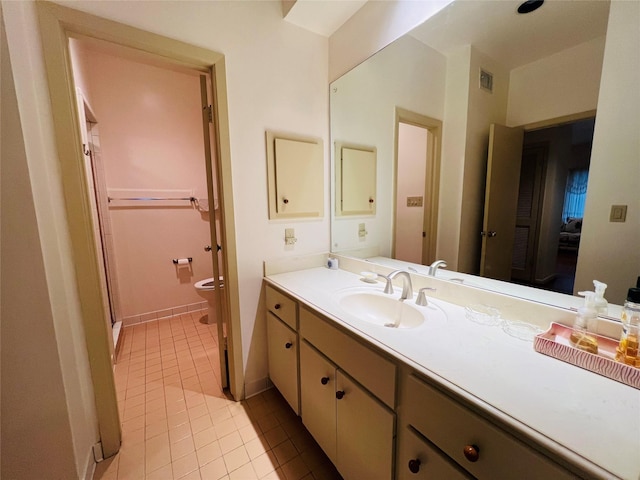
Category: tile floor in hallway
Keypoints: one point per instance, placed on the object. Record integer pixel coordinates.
(177, 422)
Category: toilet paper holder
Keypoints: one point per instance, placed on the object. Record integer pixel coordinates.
(181, 261)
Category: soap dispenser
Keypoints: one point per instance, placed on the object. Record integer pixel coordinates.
(585, 320)
(602, 306)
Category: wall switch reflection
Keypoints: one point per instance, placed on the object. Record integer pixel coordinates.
(618, 213)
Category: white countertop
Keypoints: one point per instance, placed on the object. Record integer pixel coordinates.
(578, 414)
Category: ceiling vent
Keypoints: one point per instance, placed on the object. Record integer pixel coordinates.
(486, 80)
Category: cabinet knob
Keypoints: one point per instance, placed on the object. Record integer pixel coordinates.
(371, 200)
(339, 394)
(277, 306)
(288, 345)
(471, 453)
(414, 465)
(324, 380)
(285, 200)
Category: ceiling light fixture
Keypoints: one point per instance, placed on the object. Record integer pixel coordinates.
(529, 6)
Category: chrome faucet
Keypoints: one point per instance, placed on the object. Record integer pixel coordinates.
(433, 268)
(422, 298)
(407, 288)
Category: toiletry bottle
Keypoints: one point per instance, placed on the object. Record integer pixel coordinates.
(627, 351)
(580, 337)
(602, 306)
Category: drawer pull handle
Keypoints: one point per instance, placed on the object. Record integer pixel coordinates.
(339, 394)
(471, 453)
(277, 306)
(414, 465)
(324, 380)
(288, 345)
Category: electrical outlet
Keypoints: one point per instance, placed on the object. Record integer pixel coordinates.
(362, 231)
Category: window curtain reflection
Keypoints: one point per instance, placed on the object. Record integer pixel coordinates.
(575, 194)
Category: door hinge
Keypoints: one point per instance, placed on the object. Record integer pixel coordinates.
(210, 113)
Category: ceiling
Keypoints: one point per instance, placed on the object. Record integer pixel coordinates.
(502, 34)
(323, 17)
(506, 36)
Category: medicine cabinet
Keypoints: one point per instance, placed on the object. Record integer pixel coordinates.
(355, 180)
(295, 170)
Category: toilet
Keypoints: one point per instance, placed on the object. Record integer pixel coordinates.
(205, 289)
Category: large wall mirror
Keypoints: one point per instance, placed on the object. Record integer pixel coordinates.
(474, 64)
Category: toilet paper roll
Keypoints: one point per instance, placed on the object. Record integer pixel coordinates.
(183, 261)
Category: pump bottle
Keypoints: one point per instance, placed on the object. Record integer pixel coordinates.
(602, 306)
(585, 320)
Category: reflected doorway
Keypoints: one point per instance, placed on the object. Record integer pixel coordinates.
(553, 185)
(417, 176)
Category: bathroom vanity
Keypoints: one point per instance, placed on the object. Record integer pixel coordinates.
(444, 397)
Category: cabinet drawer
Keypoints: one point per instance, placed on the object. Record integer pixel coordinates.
(281, 306)
(374, 372)
(452, 427)
(418, 459)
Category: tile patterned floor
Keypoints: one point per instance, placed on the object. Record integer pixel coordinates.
(178, 424)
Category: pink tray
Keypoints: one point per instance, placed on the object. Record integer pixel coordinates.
(555, 343)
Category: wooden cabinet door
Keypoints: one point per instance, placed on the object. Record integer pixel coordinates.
(283, 362)
(365, 433)
(318, 398)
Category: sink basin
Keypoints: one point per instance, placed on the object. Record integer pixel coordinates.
(382, 310)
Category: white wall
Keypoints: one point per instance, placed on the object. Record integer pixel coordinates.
(615, 163)
(408, 75)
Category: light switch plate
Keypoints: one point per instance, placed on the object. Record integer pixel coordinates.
(618, 213)
(290, 236)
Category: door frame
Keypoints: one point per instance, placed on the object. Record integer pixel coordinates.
(431, 181)
(57, 25)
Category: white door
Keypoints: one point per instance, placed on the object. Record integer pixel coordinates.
(501, 199)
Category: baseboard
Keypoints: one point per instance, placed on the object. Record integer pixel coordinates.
(257, 386)
(545, 280)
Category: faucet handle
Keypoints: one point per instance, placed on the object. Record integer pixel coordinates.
(389, 286)
(422, 297)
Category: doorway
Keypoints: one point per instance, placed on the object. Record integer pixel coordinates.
(416, 187)
(150, 203)
(566, 153)
(545, 241)
(57, 25)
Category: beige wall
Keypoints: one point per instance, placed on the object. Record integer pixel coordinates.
(609, 251)
(453, 155)
(562, 84)
(35, 410)
(276, 78)
(484, 108)
(372, 28)
(290, 96)
(151, 139)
